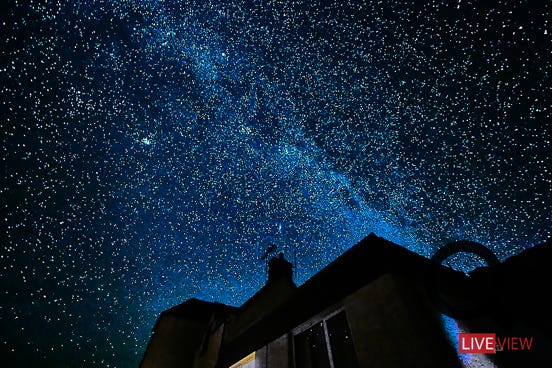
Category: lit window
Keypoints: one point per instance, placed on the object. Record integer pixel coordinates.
(247, 362)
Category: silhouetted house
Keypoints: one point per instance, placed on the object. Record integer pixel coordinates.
(368, 308)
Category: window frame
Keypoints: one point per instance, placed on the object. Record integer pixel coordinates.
(320, 317)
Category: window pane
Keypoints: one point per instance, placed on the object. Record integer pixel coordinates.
(250, 364)
(341, 342)
(310, 348)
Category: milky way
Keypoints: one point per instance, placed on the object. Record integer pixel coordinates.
(151, 151)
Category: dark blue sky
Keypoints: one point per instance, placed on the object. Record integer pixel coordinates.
(152, 151)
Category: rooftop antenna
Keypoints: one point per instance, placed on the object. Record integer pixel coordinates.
(272, 248)
(295, 263)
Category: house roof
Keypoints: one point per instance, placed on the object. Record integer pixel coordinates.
(197, 310)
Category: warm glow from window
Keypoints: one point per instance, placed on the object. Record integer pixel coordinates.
(247, 362)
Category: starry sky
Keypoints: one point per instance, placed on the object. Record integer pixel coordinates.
(152, 150)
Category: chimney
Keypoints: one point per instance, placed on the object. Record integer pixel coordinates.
(279, 268)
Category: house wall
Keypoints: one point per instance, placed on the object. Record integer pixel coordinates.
(173, 343)
(393, 325)
(207, 357)
(274, 355)
(265, 301)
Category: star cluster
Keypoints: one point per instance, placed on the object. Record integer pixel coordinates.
(151, 151)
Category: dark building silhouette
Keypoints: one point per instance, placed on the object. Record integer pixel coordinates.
(377, 305)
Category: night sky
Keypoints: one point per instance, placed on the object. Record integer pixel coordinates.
(151, 150)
